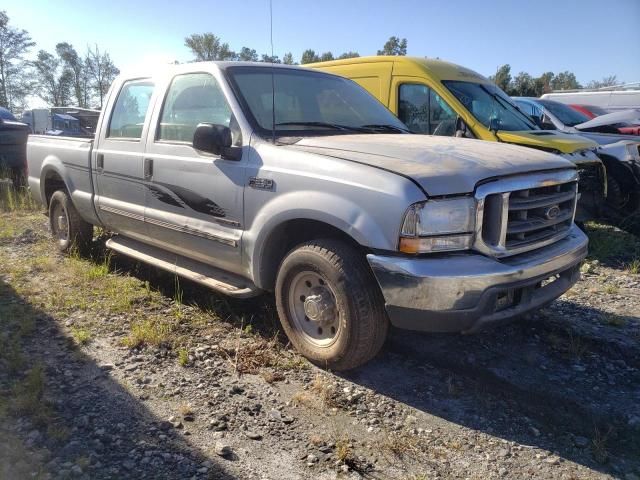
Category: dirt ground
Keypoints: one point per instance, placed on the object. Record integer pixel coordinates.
(109, 369)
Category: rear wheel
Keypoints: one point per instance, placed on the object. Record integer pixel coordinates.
(69, 230)
(330, 305)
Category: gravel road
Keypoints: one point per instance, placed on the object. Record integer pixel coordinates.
(86, 391)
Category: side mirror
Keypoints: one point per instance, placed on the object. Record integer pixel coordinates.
(494, 124)
(215, 139)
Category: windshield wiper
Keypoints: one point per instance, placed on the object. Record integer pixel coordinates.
(335, 126)
(385, 126)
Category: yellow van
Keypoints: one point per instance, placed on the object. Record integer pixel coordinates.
(440, 98)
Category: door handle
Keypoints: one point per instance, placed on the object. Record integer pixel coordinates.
(148, 168)
(100, 162)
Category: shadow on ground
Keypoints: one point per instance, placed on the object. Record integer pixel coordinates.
(68, 410)
(549, 383)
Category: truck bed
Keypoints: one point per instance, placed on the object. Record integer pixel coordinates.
(50, 156)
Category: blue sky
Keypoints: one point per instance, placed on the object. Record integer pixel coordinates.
(589, 37)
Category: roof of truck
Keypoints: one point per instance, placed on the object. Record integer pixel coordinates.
(403, 65)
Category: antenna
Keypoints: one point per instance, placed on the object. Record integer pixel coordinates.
(273, 81)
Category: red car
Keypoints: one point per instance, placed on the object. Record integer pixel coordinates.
(593, 111)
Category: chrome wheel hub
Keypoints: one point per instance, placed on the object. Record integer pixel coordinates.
(313, 308)
(60, 223)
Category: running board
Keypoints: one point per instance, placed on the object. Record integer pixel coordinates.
(211, 277)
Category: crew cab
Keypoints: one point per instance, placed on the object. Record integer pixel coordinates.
(435, 97)
(324, 200)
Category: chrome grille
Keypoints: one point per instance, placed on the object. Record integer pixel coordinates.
(525, 212)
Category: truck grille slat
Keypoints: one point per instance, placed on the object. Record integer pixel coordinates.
(522, 219)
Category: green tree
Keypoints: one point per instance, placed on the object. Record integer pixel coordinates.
(502, 78)
(326, 57)
(287, 59)
(76, 68)
(14, 82)
(309, 56)
(565, 81)
(523, 85)
(53, 80)
(207, 47)
(394, 46)
(349, 54)
(270, 59)
(101, 71)
(248, 55)
(543, 83)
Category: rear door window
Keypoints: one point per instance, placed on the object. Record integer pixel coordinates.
(130, 109)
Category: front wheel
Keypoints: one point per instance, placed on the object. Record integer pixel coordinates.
(69, 230)
(330, 305)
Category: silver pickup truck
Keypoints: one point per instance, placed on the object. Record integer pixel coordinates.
(250, 177)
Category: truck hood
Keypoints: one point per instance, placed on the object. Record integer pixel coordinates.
(440, 165)
(632, 117)
(563, 142)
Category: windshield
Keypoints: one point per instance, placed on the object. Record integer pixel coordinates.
(488, 103)
(307, 102)
(567, 115)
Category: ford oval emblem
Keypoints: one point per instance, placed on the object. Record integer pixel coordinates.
(552, 212)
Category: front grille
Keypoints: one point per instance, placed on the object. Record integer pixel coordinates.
(536, 211)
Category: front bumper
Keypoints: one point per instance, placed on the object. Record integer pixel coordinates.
(464, 292)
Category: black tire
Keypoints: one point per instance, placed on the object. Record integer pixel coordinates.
(625, 205)
(69, 230)
(360, 320)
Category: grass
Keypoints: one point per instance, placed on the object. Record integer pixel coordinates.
(599, 448)
(81, 335)
(633, 266)
(401, 445)
(613, 320)
(28, 397)
(569, 344)
(16, 200)
(183, 357)
(148, 332)
(611, 289)
(610, 245)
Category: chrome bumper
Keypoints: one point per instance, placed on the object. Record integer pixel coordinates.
(463, 292)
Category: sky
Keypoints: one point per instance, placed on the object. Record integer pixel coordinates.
(592, 38)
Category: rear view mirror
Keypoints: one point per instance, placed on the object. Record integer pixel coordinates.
(212, 138)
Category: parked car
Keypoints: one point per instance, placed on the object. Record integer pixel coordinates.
(621, 160)
(622, 97)
(440, 98)
(13, 147)
(624, 121)
(326, 201)
(590, 111)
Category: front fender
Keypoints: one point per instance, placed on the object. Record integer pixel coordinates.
(369, 229)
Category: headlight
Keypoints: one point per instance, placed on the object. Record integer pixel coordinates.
(438, 225)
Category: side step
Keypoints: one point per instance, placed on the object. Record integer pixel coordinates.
(214, 278)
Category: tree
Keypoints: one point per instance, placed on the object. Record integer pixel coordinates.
(101, 72)
(349, 54)
(53, 80)
(76, 68)
(565, 81)
(270, 59)
(326, 57)
(543, 83)
(502, 78)
(207, 47)
(523, 85)
(287, 59)
(309, 56)
(609, 81)
(14, 83)
(248, 55)
(394, 46)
